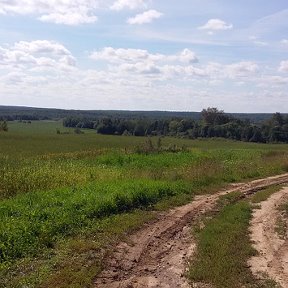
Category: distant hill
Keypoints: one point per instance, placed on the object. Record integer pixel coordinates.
(30, 113)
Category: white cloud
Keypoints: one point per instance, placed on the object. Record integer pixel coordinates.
(242, 69)
(284, 42)
(40, 53)
(124, 55)
(273, 81)
(114, 55)
(68, 12)
(180, 65)
(68, 19)
(187, 56)
(144, 18)
(216, 25)
(129, 4)
(140, 68)
(283, 66)
(42, 47)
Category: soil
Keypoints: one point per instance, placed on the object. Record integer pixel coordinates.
(272, 259)
(157, 255)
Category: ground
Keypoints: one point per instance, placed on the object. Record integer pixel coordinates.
(157, 255)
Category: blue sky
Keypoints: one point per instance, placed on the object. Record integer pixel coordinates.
(145, 54)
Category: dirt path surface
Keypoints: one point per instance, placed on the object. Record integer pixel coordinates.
(273, 249)
(157, 254)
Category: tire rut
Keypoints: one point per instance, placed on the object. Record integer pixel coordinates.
(273, 249)
(158, 253)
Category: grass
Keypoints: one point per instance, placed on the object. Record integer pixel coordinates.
(75, 260)
(264, 194)
(224, 245)
(223, 248)
(70, 196)
(61, 170)
(281, 223)
(40, 138)
(34, 221)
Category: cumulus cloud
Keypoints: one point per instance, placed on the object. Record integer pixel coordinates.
(47, 67)
(242, 69)
(73, 12)
(110, 54)
(124, 55)
(216, 25)
(140, 68)
(283, 66)
(39, 53)
(144, 18)
(42, 46)
(153, 65)
(128, 4)
(187, 56)
(68, 19)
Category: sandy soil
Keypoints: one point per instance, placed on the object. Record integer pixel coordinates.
(273, 249)
(157, 254)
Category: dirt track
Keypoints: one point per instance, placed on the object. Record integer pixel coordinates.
(273, 249)
(157, 254)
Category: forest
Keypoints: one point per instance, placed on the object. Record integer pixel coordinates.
(212, 123)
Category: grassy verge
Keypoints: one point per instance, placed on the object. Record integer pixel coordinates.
(281, 223)
(224, 247)
(265, 194)
(76, 260)
(34, 221)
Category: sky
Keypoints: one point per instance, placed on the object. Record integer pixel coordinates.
(171, 55)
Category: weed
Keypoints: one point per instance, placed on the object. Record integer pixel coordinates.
(223, 248)
(264, 194)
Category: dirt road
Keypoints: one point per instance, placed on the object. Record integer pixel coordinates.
(157, 254)
(272, 246)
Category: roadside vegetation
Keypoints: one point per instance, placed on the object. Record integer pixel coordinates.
(65, 196)
(224, 245)
(281, 224)
(264, 194)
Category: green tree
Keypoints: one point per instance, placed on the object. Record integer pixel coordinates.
(213, 116)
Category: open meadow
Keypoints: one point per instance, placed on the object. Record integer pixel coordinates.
(67, 196)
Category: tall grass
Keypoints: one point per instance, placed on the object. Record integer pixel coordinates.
(34, 221)
(79, 168)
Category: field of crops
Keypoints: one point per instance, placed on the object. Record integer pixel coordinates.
(58, 187)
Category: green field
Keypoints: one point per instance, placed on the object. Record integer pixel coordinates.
(68, 190)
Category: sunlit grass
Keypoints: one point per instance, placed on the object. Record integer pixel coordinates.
(224, 247)
(53, 187)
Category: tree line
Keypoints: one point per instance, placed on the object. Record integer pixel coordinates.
(18, 113)
(212, 123)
